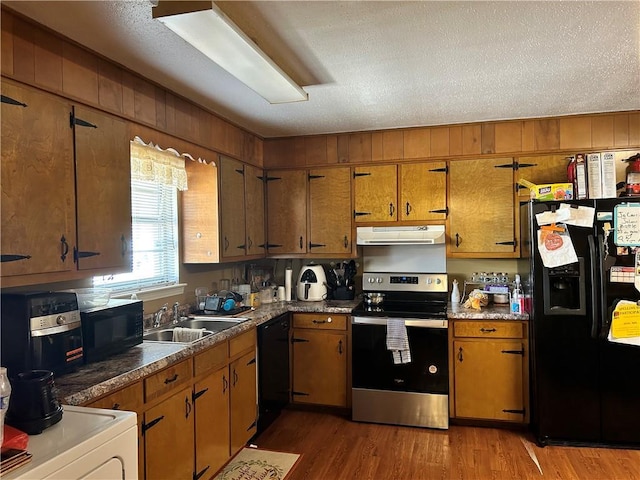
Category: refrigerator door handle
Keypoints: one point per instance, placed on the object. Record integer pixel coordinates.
(593, 267)
(602, 298)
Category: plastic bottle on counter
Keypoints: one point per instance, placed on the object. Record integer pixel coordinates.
(455, 293)
(517, 299)
(5, 395)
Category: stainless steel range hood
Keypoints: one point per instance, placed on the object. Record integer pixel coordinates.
(416, 235)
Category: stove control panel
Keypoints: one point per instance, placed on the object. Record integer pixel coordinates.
(412, 282)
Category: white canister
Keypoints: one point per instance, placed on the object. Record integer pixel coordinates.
(281, 294)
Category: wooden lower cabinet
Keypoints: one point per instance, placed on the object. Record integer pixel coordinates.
(319, 356)
(211, 401)
(168, 437)
(490, 370)
(244, 406)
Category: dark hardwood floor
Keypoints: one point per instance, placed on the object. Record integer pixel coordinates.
(334, 447)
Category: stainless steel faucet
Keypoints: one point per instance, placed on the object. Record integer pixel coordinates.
(157, 317)
(176, 312)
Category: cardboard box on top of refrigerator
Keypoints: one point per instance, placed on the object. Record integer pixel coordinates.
(548, 191)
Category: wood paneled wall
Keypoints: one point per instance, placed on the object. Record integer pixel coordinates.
(596, 132)
(35, 56)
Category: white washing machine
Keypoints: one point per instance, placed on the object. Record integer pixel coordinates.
(88, 443)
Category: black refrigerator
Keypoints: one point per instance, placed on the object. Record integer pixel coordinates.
(585, 388)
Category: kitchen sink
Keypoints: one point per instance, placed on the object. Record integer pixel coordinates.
(210, 325)
(166, 335)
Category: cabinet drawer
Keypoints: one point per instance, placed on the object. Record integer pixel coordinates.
(492, 329)
(242, 342)
(129, 398)
(161, 382)
(324, 321)
(211, 359)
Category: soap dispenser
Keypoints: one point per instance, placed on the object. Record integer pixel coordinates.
(455, 293)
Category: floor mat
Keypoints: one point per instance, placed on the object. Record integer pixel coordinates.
(255, 463)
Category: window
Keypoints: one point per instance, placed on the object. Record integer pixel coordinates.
(156, 177)
(155, 240)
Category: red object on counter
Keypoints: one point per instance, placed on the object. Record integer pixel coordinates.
(14, 438)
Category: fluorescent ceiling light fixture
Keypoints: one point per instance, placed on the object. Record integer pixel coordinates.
(209, 30)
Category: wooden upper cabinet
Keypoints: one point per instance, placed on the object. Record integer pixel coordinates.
(481, 208)
(199, 209)
(423, 191)
(103, 188)
(232, 208)
(541, 169)
(254, 210)
(38, 198)
(287, 207)
(330, 210)
(376, 193)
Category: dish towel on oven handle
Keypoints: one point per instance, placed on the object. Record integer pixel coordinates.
(397, 340)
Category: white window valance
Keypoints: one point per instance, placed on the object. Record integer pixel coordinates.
(149, 162)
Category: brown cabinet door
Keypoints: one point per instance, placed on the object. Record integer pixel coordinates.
(376, 193)
(212, 422)
(200, 214)
(287, 211)
(319, 368)
(168, 438)
(541, 169)
(232, 208)
(489, 379)
(38, 200)
(244, 400)
(423, 191)
(255, 213)
(330, 210)
(103, 186)
(482, 212)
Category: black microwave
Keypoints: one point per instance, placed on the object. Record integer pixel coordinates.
(111, 328)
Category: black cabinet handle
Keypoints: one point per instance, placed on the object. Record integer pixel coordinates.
(457, 240)
(187, 407)
(408, 208)
(460, 355)
(250, 242)
(513, 352)
(251, 362)
(64, 248)
(487, 330)
(225, 384)
(315, 245)
(340, 347)
(167, 381)
(346, 242)
(391, 209)
(12, 101)
(301, 242)
(115, 406)
(360, 214)
(226, 243)
(235, 377)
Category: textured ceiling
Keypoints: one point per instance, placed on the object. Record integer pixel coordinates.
(376, 65)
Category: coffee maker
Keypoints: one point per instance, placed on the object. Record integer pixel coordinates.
(312, 283)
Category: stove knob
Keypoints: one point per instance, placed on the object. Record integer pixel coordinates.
(370, 280)
(438, 281)
(61, 320)
(429, 281)
(379, 279)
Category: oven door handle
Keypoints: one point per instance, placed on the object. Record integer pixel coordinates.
(409, 322)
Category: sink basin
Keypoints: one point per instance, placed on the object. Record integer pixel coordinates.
(213, 318)
(167, 336)
(212, 325)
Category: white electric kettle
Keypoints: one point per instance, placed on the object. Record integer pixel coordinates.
(312, 283)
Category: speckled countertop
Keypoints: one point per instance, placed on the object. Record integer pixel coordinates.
(94, 380)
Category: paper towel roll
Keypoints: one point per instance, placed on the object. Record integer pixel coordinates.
(288, 273)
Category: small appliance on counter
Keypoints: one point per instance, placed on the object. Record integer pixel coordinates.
(312, 284)
(33, 406)
(340, 281)
(41, 331)
(112, 328)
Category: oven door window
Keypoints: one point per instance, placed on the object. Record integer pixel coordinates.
(373, 366)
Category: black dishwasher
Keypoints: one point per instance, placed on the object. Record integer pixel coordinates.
(273, 369)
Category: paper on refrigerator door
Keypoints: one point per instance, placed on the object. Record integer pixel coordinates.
(625, 323)
(556, 249)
